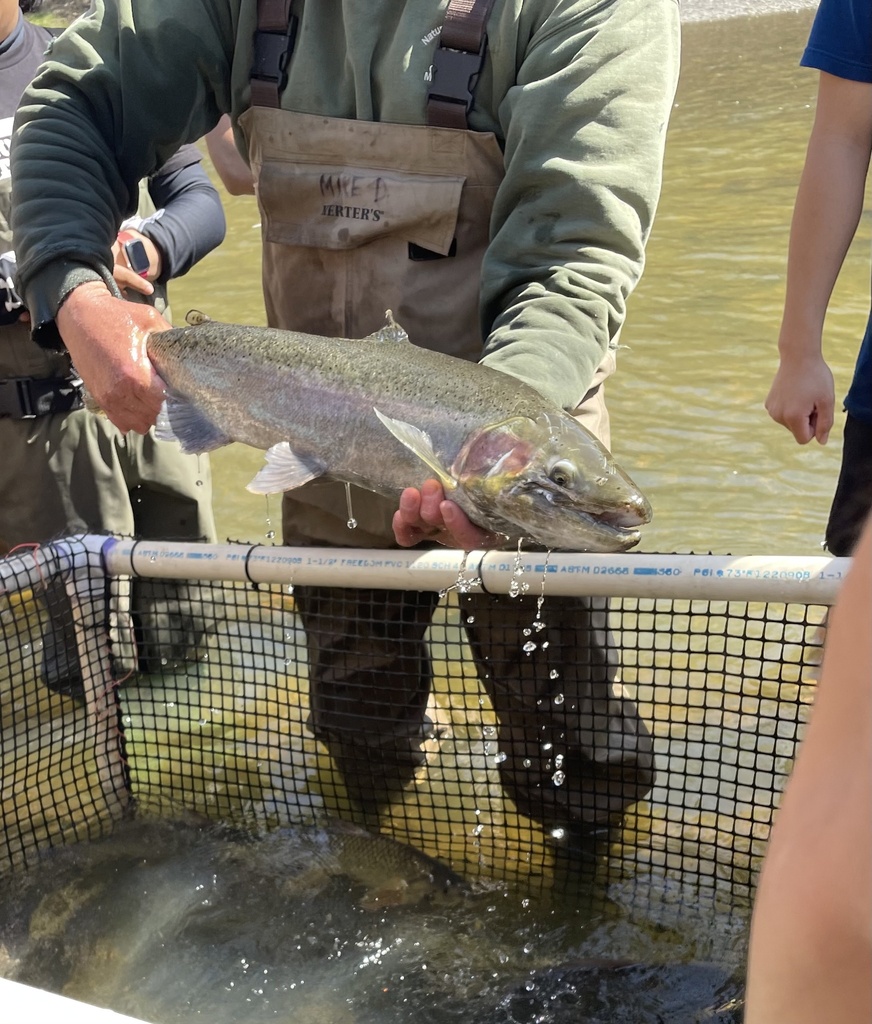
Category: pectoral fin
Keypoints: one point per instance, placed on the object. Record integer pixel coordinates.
(285, 470)
(179, 421)
(419, 443)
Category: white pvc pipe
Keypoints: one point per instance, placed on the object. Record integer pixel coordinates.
(24, 1005)
(799, 579)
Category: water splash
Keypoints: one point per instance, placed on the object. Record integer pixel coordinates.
(269, 533)
(518, 587)
(352, 522)
(463, 584)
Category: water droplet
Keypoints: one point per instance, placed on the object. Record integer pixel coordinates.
(489, 730)
(351, 524)
(553, 674)
(529, 647)
(547, 746)
(477, 831)
(558, 778)
(199, 483)
(526, 631)
(558, 833)
(528, 948)
(558, 760)
(558, 698)
(270, 534)
(526, 762)
(470, 619)
(153, 559)
(499, 757)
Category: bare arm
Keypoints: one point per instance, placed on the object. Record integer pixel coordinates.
(825, 217)
(811, 937)
(233, 171)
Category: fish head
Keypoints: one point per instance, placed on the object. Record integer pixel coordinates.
(553, 482)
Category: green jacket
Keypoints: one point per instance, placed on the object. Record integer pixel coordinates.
(577, 92)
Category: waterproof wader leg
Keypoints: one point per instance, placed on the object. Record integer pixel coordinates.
(61, 671)
(369, 681)
(853, 498)
(577, 752)
(173, 501)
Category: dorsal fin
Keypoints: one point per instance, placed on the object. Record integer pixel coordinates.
(391, 331)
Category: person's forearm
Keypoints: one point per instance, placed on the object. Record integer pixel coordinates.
(191, 222)
(78, 156)
(828, 207)
(811, 939)
(573, 214)
(234, 172)
(827, 211)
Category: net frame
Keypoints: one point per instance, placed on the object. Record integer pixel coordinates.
(723, 752)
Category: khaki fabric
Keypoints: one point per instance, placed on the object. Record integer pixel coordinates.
(347, 208)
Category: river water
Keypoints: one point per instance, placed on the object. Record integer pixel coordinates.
(700, 339)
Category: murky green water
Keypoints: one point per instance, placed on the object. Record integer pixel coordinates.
(687, 402)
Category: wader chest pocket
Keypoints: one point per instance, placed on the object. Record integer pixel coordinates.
(330, 207)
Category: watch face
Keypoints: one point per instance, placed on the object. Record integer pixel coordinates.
(137, 257)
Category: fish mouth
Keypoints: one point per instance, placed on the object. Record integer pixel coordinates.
(611, 536)
(562, 526)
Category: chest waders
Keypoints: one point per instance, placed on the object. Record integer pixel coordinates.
(359, 217)
(65, 471)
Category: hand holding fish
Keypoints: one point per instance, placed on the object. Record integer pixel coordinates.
(106, 338)
(427, 515)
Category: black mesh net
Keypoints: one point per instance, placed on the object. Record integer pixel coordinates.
(498, 733)
(638, 744)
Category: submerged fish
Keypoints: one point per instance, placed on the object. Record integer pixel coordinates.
(384, 414)
(170, 920)
(388, 872)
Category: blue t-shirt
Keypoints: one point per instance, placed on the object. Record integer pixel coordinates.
(841, 44)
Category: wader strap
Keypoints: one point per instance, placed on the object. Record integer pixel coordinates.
(24, 398)
(273, 45)
(457, 63)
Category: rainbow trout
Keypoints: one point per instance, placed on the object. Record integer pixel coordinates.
(384, 414)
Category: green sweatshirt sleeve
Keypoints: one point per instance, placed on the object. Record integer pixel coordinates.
(101, 110)
(585, 127)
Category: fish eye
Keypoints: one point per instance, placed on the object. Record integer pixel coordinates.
(562, 473)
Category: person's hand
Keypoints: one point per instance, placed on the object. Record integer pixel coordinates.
(428, 515)
(106, 338)
(802, 398)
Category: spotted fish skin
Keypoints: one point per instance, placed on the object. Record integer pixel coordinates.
(384, 414)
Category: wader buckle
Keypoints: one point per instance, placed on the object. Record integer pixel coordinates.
(25, 398)
(455, 75)
(272, 55)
